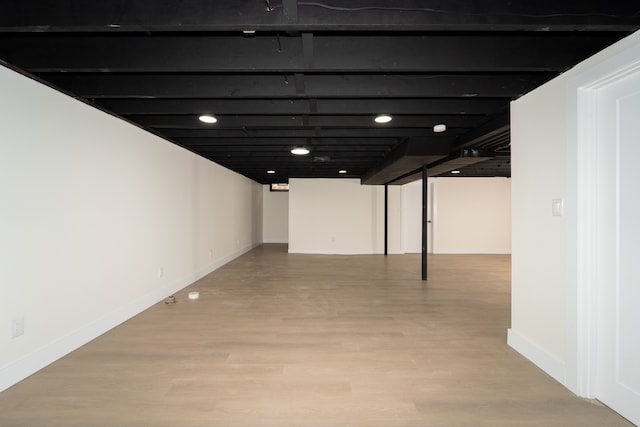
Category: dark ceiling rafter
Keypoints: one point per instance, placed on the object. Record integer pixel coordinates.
(307, 53)
(435, 106)
(323, 15)
(277, 86)
(283, 73)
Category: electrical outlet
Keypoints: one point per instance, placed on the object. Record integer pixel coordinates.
(161, 272)
(17, 327)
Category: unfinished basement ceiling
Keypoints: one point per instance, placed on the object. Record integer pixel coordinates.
(281, 74)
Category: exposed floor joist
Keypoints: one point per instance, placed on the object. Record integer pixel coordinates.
(310, 73)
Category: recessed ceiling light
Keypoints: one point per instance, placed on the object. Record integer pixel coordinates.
(342, 171)
(300, 151)
(456, 171)
(383, 118)
(207, 118)
(271, 171)
(440, 128)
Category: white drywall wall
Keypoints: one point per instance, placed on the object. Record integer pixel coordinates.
(469, 215)
(394, 219)
(337, 216)
(342, 216)
(538, 159)
(275, 216)
(472, 215)
(100, 220)
(412, 217)
(545, 164)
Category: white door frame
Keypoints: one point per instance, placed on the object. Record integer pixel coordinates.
(431, 216)
(582, 180)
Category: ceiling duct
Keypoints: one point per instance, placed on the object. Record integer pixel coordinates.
(459, 160)
(456, 160)
(410, 154)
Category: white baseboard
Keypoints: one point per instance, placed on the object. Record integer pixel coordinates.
(32, 363)
(22, 368)
(549, 363)
(472, 252)
(332, 252)
(222, 261)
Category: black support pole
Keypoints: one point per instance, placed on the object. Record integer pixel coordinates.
(424, 223)
(386, 217)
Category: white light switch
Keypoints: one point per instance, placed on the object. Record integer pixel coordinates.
(17, 327)
(557, 207)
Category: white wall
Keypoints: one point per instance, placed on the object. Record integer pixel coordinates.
(545, 165)
(394, 219)
(337, 216)
(472, 215)
(538, 159)
(100, 220)
(275, 219)
(412, 217)
(469, 215)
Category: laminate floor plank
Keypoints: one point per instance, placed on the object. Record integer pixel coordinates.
(280, 339)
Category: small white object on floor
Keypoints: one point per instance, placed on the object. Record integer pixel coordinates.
(194, 295)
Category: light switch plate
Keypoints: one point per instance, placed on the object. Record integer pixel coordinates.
(17, 327)
(557, 207)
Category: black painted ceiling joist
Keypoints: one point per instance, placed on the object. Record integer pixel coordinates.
(274, 86)
(326, 15)
(222, 53)
(301, 106)
(293, 121)
(257, 142)
(312, 73)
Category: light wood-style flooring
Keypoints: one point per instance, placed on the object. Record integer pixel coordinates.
(278, 339)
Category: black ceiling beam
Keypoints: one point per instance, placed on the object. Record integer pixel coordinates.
(409, 155)
(370, 156)
(308, 51)
(403, 171)
(288, 121)
(290, 11)
(459, 52)
(280, 86)
(312, 73)
(302, 106)
(517, 52)
(289, 169)
(285, 150)
(487, 168)
(256, 142)
(465, 85)
(268, 160)
(282, 174)
(195, 106)
(157, 53)
(303, 133)
(458, 160)
(232, 15)
(266, 163)
(495, 126)
(262, 165)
